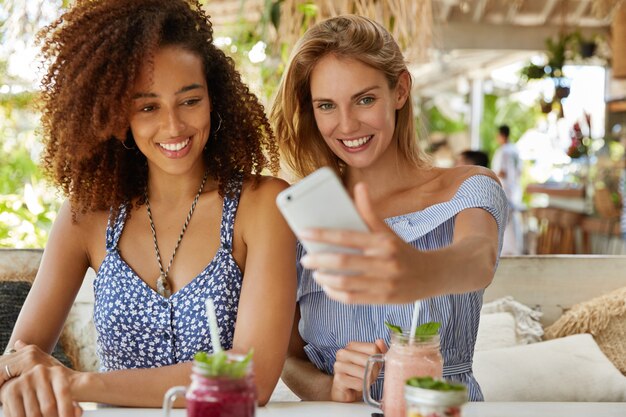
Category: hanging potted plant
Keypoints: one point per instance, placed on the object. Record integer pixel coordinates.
(586, 46)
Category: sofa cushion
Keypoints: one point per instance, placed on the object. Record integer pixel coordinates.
(496, 330)
(12, 296)
(605, 318)
(572, 368)
(528, 328)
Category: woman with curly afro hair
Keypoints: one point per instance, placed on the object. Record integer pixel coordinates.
(159, 147)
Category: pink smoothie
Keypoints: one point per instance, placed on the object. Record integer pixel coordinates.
(403, 361)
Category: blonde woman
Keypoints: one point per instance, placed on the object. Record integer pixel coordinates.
(345, 102)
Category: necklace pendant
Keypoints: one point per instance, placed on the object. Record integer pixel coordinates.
(163, 287)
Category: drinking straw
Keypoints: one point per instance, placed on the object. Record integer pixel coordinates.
(215, 335)
(416, 313)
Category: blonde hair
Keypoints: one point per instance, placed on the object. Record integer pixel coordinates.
(348, 36)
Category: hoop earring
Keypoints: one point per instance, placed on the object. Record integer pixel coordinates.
(219, 123)
(129, 138)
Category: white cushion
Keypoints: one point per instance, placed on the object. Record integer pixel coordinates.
(496, 330)
(528, 328)
(572, 368)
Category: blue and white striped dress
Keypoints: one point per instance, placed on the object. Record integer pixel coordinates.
(327, 326)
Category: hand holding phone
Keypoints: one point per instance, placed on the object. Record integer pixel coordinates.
(320, 201)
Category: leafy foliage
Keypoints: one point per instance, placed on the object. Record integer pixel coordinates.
(428, 382)
(221, 365)
(27, 204)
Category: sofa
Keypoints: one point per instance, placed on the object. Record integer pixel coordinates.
(513, 361)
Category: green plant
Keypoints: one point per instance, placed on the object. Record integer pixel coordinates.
(28, 205)
(438, 122)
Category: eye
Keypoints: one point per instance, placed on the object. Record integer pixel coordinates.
(325, 106)
(147, 109)
(191, 102)
(367, 100)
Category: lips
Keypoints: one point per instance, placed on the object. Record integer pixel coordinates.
(356, 142)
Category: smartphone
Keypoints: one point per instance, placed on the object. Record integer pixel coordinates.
(320, 201)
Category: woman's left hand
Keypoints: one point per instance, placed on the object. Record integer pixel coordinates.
(23, 358)
(386, 270)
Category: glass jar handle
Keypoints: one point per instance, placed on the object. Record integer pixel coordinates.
(367, 382)
(170, 397)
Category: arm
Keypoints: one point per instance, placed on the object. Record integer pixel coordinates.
(392, 271)
(40, 322)
(50, 299)
(346, 383)
(59, 277)
(302, 376)
(268, 293)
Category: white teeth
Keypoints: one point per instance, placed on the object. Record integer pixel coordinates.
(355, 143)
(173, 147)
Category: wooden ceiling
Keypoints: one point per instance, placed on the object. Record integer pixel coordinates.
(581, 13)
(470, 36)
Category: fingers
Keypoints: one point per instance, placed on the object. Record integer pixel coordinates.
(42, 391)
(339, 237)
(381, 345)
(349, 369)
(376, 259)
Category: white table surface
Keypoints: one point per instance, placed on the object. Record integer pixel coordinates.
(328, 409)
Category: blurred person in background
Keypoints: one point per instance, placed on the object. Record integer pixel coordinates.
(508, 167)
(469, 157)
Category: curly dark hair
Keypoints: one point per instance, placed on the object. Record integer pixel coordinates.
(95, 52)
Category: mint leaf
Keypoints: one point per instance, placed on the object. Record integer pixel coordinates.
(221, 365)
(393, 328)
(219, 362)
(427, 330)
(428, 382)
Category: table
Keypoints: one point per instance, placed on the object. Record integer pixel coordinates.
(329, 409)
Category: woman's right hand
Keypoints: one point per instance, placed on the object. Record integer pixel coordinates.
(41, 391)
(349, 370)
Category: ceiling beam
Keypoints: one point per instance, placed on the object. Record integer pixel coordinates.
(480, 10)
(547, 11)
(514, 6)
(443, 9)
(575, 17)
(484, 36)
(445, 12)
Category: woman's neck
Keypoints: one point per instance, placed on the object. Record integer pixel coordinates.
(385, 177)
(168, 188)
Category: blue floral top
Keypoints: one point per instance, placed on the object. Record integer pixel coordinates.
(138, 328)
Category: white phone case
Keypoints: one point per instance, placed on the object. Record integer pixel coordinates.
(320, 201)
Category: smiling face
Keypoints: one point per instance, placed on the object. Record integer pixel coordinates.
(355, 110)
(171, 111)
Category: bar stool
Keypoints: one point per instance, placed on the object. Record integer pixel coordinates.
(557, 230)
(608, 212)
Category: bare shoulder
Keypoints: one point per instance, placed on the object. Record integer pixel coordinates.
(92, 222)
(261, 189)
(258, 214)
(454, 177)
(81, 234)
